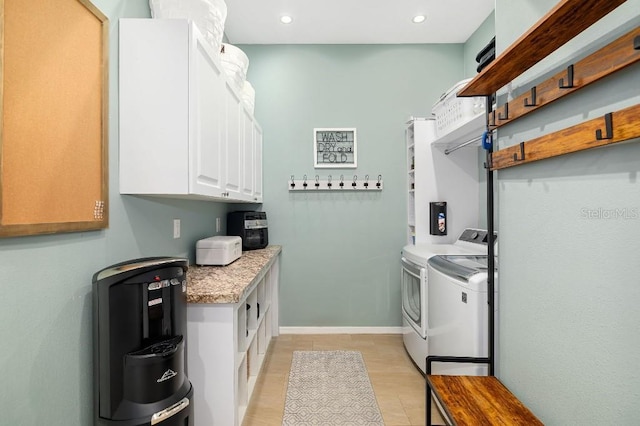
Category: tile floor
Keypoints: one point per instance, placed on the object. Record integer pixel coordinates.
(397, 382)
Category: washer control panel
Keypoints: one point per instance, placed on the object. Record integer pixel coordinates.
(476, 236)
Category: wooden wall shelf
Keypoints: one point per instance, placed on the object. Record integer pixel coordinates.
(605, 61)
(567, 19)
(615, 127)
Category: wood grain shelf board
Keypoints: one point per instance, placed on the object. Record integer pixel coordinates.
(480, 400)
(625, 124)
(567, 19)
(608, 60)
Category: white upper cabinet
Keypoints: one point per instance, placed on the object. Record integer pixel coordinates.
(182, 124)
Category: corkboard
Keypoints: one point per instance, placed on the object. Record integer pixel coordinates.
(53, 133)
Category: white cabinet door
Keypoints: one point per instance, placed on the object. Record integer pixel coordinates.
(154, 107)
(233, 143)
(248, 156)
(257, 142)
(208, 122)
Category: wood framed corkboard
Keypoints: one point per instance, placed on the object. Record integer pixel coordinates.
(53, 117)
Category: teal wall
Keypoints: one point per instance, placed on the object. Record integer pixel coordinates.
(478, 40)
(473, 45)
(45, 308)
(341, 252)
(569, 226)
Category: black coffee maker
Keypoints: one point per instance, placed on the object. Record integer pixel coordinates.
(140, 331)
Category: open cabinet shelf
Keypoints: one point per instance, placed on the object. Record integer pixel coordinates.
(229, 344)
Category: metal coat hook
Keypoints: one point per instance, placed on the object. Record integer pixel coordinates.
(515, 156)
(379, 180)
(608, 124)
(304, 181)
(636, 43)
(366, 181)
(329, 181)
(293, 182)
(533, 98)
(489, 163)
(506, 112)
(569, 84)
(355, 177)
(317, 181)
(341, 181)
(492, 122)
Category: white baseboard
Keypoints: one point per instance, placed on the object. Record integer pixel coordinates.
(340, 330)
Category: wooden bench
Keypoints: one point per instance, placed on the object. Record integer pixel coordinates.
(477, 401)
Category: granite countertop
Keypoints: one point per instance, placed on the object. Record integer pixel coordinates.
(228, 284)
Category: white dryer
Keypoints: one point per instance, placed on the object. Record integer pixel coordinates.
(414, 287)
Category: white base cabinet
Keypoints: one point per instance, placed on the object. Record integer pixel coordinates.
(182, 123)
(226, 347)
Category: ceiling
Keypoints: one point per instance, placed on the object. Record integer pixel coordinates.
(353, 21)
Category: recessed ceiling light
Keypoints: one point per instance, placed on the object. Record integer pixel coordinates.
(286, 19)
(418, 19)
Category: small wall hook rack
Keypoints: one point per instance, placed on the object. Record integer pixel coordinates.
(327, 184)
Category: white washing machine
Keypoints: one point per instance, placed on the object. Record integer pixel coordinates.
(414, 287)
(458, 311)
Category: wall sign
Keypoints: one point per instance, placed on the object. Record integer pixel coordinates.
(334, 148)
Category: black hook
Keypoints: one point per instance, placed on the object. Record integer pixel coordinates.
(492, 122)
(341, 181)
(608, 124)
(329, 181)
(355, 177)
(515, 156)
(366, 181)
(489, 163)
(533, 98)
(304, 181)
(379, 179)
(293, 182)
(317, 181)
(506, 112)
(636, 43)
(569, 84)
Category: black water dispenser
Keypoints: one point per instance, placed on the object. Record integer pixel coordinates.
(140, 331)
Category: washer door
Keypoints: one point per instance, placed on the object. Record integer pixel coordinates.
(414, 296)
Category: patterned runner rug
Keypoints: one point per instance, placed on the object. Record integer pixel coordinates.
(330, 388)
